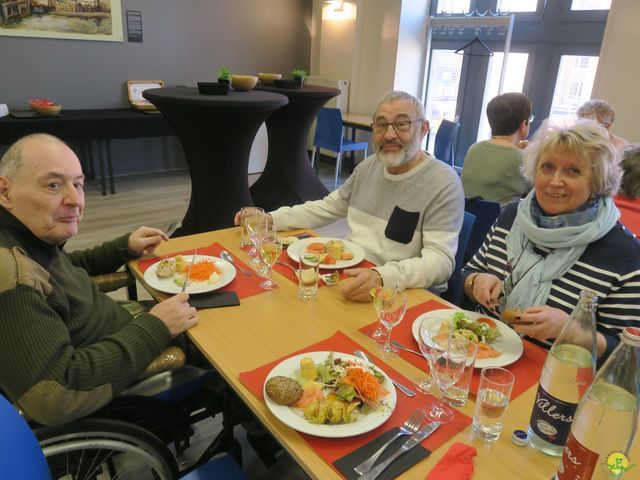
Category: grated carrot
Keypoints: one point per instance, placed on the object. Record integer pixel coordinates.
(201, 271)
(365, 383)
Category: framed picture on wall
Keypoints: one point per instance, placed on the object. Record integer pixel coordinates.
(71, 19)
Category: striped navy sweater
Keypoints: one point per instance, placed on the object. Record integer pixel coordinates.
(609, 266)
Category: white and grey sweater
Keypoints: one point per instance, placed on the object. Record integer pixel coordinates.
(408, 224)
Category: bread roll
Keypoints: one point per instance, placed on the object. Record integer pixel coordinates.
(283, 390)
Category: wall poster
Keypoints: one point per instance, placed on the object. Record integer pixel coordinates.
(71, 19)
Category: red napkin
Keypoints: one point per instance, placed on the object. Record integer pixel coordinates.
(243, 286)
(456, 464)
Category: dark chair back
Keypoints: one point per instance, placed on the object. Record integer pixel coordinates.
(20, 452)
(486, 213)
(329, 130)
(454, 286)
(445, 141)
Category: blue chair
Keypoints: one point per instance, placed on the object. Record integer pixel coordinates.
(486, 213)
(21, 456)
(329, 136)
(445, 141)
(454, 290)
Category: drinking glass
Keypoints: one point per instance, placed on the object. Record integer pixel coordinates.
(257, 226)
(270, 249)
(458, 393)
(379, 334)
(391, 305)
(491, 403)
(430, 327)
(247, 213)
(447, 359)
(308, 273)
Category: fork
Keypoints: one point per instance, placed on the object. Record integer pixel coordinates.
(293, 269)
(411, 426)
(402, 347)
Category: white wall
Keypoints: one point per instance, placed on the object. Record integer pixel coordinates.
(619, 68)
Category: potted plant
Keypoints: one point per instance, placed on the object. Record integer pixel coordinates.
(224, 75)
(298, 76)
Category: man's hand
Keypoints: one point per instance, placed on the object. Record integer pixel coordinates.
(145, 240)
(176, 313)
(486, 289)
(358, 288)
(541, 322)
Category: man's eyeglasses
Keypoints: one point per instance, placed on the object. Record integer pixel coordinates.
(401, 125)
(531, 119)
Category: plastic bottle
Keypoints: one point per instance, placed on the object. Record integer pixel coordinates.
(566, 375)
(606, 420)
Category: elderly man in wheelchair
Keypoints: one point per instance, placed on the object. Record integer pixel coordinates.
(67, 350)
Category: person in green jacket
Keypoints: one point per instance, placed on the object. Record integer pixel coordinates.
(66, 348)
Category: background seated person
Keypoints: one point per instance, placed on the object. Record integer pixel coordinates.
(66, 348)
(563, 237)
(628, 198)
(491, 169)
(403, 206)
(603, 113)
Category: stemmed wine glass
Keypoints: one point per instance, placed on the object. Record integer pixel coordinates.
(442, 329)
(379, 333)
(257, 225)
(270, 250)
(391, 304)
(447, 359)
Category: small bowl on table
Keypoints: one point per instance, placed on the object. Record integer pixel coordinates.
(243, 83)
(268, 78)
(285, 84)
(48, 110)
(213, 88)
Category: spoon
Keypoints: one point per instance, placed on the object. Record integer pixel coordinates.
(229, 258)
(173, 227)
(402, 388)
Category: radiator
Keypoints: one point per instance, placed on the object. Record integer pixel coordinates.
(341, 101)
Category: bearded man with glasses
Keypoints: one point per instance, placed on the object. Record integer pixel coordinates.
(404, 207)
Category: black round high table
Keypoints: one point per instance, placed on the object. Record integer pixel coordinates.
(288, 178)
(216, 133)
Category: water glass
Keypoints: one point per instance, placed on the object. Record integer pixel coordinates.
(308, 274)
(491, 403)
(457, 394)
(247, 213)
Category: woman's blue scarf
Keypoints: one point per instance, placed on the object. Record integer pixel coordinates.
(567, 235)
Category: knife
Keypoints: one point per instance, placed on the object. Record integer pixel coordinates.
(186, 279)
(408, 445)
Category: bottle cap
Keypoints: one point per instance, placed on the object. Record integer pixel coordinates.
(520, 438)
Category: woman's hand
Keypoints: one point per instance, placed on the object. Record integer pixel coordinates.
(486, 290)
(145, 240)
(541, 322)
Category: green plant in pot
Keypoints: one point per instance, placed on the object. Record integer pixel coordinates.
(224, 75)
(298, 76)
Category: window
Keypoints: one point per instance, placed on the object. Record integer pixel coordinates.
(573, 88)
(513, 82)
(590, 4)
(455, 6)
(517, 5)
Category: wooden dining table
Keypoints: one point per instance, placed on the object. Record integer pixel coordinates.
(273, 324)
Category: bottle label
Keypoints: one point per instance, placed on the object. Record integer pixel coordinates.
(551, 418)
(577, 461)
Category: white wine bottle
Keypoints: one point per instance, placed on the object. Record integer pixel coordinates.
(566, 375)
(606, 421)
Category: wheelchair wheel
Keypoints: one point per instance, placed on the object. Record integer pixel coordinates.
(105, 449)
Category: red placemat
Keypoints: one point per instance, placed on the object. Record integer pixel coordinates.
(243, 286)
(330, 449)
(526, 370)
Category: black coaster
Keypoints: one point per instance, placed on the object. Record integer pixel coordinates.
(402, 463)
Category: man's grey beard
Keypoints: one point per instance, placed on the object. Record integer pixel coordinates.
(395, 159)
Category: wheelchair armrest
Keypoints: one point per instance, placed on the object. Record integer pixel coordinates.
(109, 282)
(172, 387)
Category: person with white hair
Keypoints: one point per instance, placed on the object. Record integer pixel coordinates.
(563, 237)
(602, 112)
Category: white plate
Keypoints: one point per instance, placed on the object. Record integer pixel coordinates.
(167, 285)
(291, 368)
(509, 344)
(358, 252)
